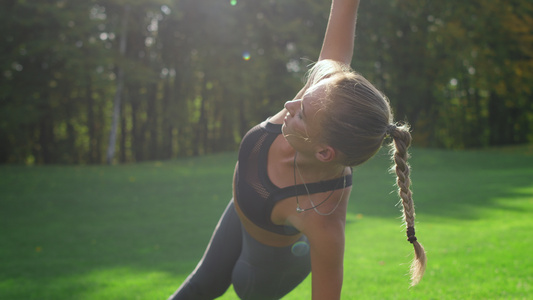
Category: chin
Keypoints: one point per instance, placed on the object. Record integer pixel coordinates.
(284, 129)
(284, 133)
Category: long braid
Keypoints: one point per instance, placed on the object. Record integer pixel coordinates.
(402, 141)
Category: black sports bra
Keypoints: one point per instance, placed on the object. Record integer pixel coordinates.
(255, 194)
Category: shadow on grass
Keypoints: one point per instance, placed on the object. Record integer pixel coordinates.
(447, 184)
(69, 231)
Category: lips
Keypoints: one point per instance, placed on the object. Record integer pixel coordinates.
(287, 116)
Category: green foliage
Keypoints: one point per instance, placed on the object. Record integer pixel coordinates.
(199, 74)
(137, 230)
(456, 70)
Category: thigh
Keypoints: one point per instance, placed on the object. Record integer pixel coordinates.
(212, 275)
(265, 272)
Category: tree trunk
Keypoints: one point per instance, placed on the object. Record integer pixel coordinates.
(137, 134)
(46, 139)
(166, 126)
(120, 85)
(123, 135)
(91, 122)
(152, 121)
(71, 157)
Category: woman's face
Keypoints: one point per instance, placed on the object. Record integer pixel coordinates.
(301, 127)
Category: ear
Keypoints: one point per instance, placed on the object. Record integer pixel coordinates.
(326, 153)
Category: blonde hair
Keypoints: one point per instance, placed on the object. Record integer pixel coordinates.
(401, 142)
(356, 120)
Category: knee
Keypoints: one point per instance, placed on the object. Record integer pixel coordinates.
(243, 280)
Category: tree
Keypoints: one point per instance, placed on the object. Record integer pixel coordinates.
(120, 85)
(194, 76)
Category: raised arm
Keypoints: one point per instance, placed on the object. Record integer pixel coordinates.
(340, 35)
(340, 32)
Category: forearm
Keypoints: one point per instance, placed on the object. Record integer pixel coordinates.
(327, 287)
(340, 33)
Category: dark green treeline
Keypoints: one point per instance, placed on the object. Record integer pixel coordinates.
(196, 75)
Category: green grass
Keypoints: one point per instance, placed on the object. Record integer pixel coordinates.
(136, 231)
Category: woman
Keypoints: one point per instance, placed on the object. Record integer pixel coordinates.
(293, 180)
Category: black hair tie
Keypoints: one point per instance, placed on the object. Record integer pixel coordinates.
(411, 234)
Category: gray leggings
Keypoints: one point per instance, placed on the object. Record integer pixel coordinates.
(257, 271)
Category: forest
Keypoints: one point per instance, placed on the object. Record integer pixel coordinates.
(120, 81)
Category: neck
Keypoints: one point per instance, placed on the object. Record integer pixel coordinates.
(315, 170)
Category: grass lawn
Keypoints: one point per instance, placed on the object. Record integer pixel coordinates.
(136, 231)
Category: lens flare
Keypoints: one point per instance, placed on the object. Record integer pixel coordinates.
(300, 248)
(233, 2)
(246, 55)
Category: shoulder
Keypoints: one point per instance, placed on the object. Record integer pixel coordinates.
(320, 226)
(323, 228)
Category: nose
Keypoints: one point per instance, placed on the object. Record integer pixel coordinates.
(292, 106)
